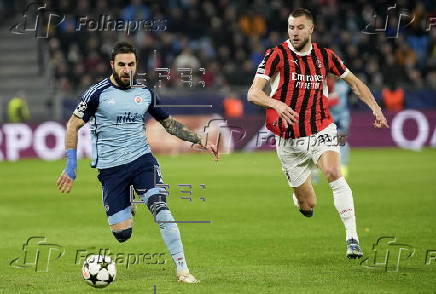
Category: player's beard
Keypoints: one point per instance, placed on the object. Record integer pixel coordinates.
(122, 84)
(299, 48)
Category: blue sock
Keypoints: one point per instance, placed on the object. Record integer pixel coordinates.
(171, 236)
(345, 154)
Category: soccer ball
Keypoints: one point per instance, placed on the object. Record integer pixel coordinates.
(99, 271)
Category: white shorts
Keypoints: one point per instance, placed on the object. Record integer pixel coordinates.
(299, 156)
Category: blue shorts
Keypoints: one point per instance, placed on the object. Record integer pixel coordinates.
(143, 173)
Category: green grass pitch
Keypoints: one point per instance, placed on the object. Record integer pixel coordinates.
(257, 241)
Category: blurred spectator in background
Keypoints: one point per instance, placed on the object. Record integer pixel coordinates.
(7, 8)
(229, 39)
(393, 99)
(393, 73)
(252, 24)
(187, 59)
(233, 106)
(136, 10)
(18, 111)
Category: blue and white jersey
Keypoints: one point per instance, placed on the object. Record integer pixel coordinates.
(117, 122)
(340, 112)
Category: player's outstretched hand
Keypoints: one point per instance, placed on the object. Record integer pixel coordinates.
(64, 183)
(211, 148)
(288, 115)
(380, 120)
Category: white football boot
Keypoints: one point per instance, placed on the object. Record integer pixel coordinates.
(186, 277)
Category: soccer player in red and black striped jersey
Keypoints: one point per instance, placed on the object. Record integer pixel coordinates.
(297, 113)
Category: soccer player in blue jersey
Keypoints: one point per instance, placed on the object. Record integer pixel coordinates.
(116, 113)
(338, 104)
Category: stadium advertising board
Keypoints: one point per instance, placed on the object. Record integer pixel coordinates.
(410, 129)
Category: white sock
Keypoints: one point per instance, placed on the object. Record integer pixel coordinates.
(179, 260)
(296, 203)
(343, 200)
(171, 236)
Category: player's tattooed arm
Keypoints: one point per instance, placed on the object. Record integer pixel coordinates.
(179, 130)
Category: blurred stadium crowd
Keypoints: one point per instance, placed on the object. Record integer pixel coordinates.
(43, 78)
(229, 38)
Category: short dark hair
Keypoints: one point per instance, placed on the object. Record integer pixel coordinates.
(123, 47)
(302, 11)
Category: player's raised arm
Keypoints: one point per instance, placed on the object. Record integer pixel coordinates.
(179, 130)
(363, 92)
(66, 179)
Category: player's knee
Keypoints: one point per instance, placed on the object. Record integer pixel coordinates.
(156, 203)
(122, 235)
(332, 173)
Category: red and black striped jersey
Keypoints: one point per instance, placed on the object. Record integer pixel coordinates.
(299, 79)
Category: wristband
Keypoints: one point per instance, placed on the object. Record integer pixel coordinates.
(70, 170)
